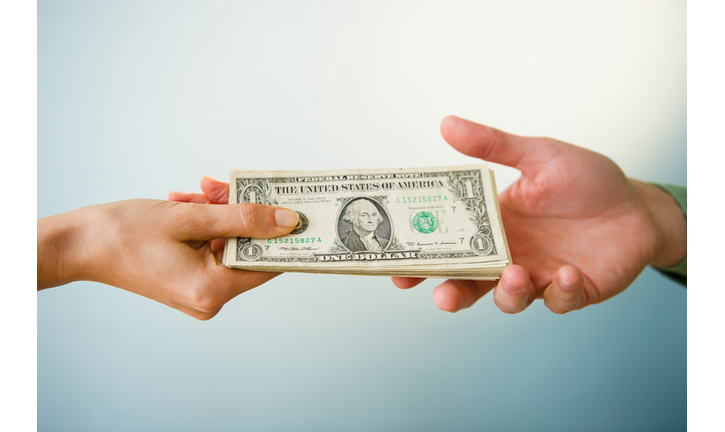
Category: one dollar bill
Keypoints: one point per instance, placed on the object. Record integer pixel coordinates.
(440, 222)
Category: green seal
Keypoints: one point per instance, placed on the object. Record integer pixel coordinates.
(425, 222)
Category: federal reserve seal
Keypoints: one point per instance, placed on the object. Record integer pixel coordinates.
(425, 222)
(301, 225)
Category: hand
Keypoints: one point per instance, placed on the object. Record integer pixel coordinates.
(157, 249)
(579, 230)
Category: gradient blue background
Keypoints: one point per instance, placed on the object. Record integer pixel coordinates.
(138, 98)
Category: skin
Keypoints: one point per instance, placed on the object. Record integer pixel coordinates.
(580, 231)
(158, 249)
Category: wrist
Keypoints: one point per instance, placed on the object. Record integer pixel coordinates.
(63, 252)
(670, 223)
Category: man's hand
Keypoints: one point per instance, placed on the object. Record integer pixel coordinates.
(158, 249)
(579, 230)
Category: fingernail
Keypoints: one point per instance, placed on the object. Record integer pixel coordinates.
(210, 178)
(566, 285)
(509, 287)
(286, 218)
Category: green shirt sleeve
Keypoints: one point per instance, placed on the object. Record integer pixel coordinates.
(677, 273)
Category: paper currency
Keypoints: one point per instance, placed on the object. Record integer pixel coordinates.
(441, 222)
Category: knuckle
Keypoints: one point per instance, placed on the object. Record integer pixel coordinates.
(249, 217)
(188, 217)
(467, 303)
(203, 316)
(570, 296)
(506, 308)
(560, 306)
(558, 309)
(203, 299)
(208, 306)
(495, 141)
(590, 297)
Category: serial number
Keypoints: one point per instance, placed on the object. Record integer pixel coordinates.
(421, 199)
(295, 240)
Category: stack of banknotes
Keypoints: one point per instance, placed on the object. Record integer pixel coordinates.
(441, 222)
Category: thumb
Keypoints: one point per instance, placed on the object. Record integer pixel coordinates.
(485, 142)
(207, 222)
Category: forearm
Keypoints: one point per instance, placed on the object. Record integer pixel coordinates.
(61, 249)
